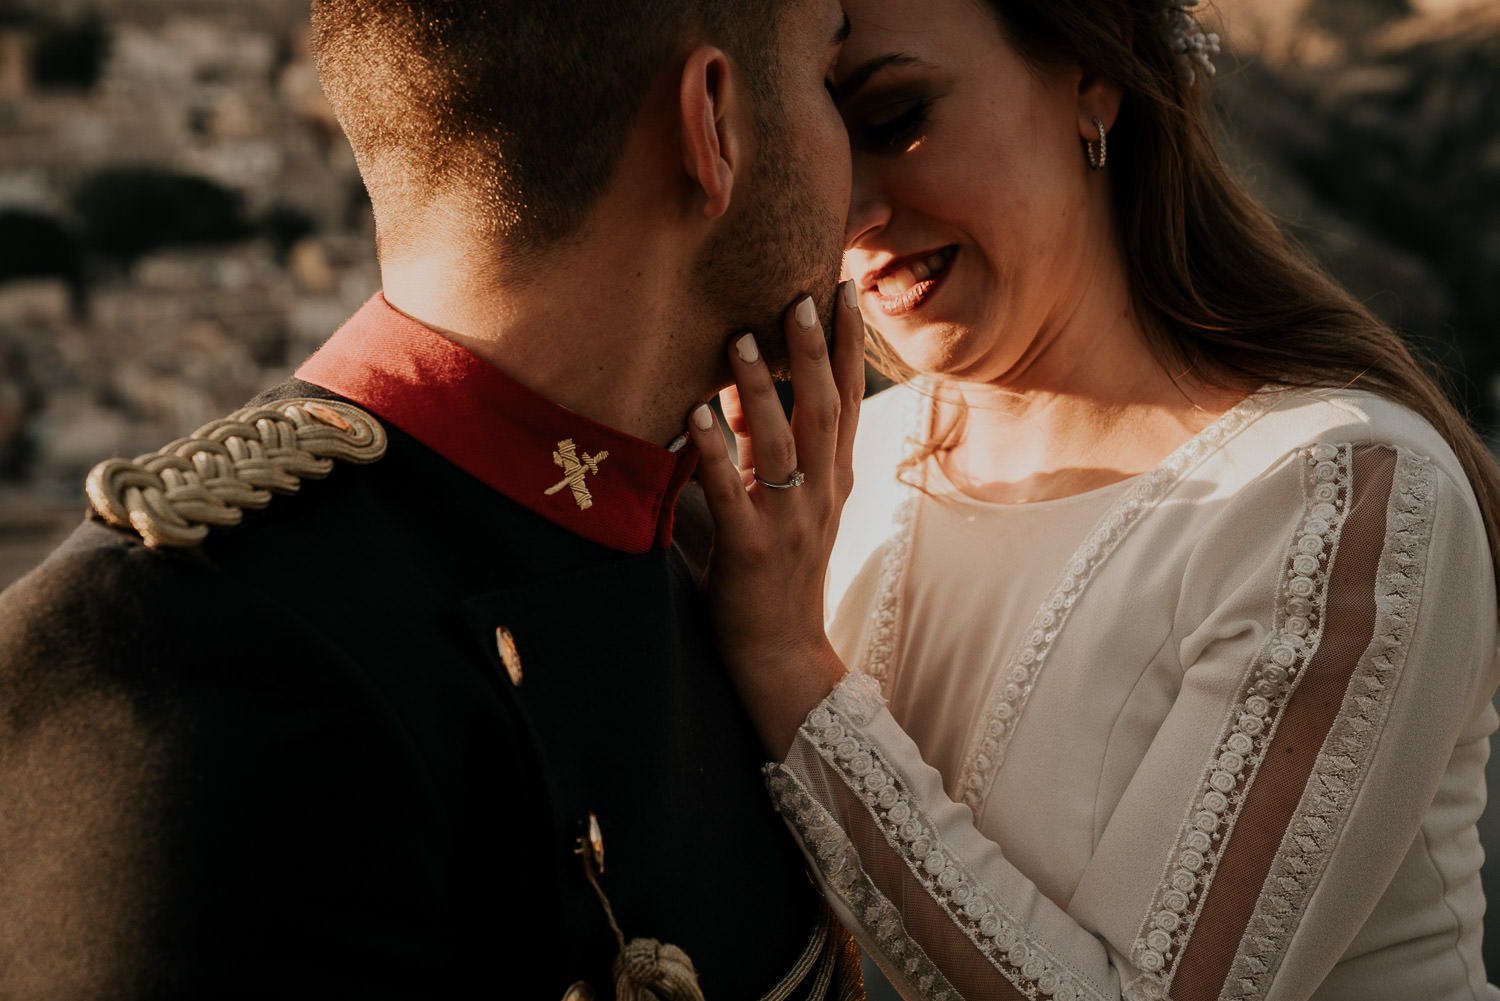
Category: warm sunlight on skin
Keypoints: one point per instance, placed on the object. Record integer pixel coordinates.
(985, 251)
(975, 232)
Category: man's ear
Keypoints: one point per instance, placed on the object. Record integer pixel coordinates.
(709, 109)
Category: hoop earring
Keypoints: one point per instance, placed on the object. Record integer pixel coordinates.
(1098, 153)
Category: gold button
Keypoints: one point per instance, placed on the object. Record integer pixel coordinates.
(509, 655)
(591, 844)
(579, 992)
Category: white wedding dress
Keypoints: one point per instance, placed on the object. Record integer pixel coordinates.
(1217, 731)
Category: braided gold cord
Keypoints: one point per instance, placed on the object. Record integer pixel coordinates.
(172, 496)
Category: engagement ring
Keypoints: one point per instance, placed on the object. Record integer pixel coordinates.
(795, 480)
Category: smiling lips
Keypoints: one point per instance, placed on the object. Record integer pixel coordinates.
(902, 288)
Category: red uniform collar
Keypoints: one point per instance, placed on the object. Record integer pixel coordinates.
(592, 480)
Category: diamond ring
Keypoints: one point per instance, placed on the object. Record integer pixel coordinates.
(795, 480)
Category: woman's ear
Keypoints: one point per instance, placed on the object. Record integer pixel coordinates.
(709, 110)
(1098, 97)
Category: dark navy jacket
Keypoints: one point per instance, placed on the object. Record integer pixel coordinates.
(290, 763)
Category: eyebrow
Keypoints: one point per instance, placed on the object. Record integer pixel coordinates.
(861, 76)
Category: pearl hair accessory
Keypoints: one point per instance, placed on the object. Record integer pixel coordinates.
(1194, 47)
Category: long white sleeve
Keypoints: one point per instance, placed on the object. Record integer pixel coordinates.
(1291, 825)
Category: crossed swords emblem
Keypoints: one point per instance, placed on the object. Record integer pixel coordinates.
(575, 468)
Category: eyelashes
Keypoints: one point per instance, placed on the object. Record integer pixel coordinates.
(896, 132)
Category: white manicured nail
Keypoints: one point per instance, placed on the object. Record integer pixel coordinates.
(807, 313)
(851, 294)
(748, 352)
(703, 417)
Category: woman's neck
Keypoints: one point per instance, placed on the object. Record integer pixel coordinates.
(1110, 415)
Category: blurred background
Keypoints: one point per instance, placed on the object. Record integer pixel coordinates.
(181, 222)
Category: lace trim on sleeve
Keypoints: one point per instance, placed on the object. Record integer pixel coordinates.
(1253, 720)
(858, 697)
(838, 862)
(1297, 628)
(996, 933)
(1344, 759)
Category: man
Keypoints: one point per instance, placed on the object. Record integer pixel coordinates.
(446, 723)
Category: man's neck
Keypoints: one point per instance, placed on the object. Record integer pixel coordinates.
(604, 329)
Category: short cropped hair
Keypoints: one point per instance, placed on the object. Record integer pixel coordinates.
(523, 105)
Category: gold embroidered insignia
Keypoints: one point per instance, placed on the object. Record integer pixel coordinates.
(574, 468)
(172, 496)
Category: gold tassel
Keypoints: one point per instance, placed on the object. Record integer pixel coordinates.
(647, 970)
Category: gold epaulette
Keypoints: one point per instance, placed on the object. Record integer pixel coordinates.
(172, 496)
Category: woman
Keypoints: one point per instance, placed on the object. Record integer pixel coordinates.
(1167, 592)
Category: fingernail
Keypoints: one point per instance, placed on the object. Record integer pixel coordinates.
(703, 417)
(851, 294)
(748, 352)
(807, 313)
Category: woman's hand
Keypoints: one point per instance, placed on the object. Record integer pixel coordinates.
(776, 514)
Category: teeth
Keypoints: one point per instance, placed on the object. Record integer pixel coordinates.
(935, 262)
(896, 283)
(901, 281)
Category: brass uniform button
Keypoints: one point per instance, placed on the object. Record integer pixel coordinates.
(590, 844)
(509, 655)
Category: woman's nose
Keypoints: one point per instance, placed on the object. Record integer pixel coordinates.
(869, 208)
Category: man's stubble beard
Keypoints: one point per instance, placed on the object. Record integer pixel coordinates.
(781, 244)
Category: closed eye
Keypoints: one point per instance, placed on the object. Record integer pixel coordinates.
(899, 130)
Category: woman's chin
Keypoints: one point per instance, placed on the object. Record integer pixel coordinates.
(946, 349)
(925, 355)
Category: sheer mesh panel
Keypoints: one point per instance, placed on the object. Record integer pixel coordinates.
(1348, 626)
(940, 942)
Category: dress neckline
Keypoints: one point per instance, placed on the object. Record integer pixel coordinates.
(936, 482)
(943, 489)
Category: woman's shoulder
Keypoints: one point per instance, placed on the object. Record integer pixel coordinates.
(1291, 420)
(1300, 442)
(1358, 416)
(1302, 467)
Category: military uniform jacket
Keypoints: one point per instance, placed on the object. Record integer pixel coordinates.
(348, 747)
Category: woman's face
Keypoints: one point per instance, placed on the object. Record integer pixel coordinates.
(969, 225)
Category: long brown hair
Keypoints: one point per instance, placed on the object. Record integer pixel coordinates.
(1230, 300)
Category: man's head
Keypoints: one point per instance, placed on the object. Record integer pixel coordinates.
(522, 105)
(795, 192)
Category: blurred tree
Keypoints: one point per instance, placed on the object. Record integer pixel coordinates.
(284, 225)
(1354, 17)
(126, 211)
(69, 54)
(1412, 153)
(20, 401)
(33, 244)
(36, 245)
